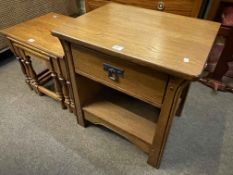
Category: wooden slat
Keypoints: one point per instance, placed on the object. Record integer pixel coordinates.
(132, 126)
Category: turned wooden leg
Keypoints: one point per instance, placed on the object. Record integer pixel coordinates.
(70, 96)
(33, 75)
(173, 92)
(58, 88)
(65, 91)
(64, 87)
(19, 57)
(23, 68)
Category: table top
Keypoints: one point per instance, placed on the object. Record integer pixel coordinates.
(37, 33)
(171, 43)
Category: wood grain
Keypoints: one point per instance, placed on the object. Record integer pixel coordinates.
(126, 116)
(181, 7)
(152, 42)
(155, 39)
(33, 40)
(152, 83)
(39, 29)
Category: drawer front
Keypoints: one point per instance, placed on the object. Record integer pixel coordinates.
(93, 4)
(181, 7)
(140, 82)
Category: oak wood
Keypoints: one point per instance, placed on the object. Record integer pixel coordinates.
(182, 101)
(155, 39)
(151, 40)
(173, 93)
(39, 30)
(57, 85)
(151, 86)
(181, 7)
(33, 39)
(72, 82)
(21, 62)
(87, 89)
(129, 117)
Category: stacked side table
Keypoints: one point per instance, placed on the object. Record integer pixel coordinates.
(33, 39)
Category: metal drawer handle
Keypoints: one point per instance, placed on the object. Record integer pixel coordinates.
(161, 6)
(113, 72)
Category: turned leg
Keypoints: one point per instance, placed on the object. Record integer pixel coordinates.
(32, 73)
(70, 96)
(63, 84)
(65, 92)
(23, 68)
(19, 57)
(57, 85)
(64, 78)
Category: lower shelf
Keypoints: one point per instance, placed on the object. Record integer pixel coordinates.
(129, 117)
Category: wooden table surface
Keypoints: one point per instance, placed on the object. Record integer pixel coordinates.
(39, 29)
(156, 39)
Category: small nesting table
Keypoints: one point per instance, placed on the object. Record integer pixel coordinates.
(130, 66)
(33, 39)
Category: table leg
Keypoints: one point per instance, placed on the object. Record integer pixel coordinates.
(183, 99)
(21, 61)
(70, 95)
(58, 88)
(72, 82)
(173, 92)
(63, 78)
(33, 75)
(24, 70)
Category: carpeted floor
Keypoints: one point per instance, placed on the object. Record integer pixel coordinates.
(37, 137)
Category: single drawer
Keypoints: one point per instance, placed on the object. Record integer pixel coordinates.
(93, 4)
(181, 7)
(135, 80)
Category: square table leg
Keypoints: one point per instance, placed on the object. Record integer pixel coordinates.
(174, 90)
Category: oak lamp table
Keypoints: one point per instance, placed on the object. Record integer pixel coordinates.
(33, 39)
(128, 63)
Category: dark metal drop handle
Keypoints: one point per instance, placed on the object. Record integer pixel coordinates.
(113, 72)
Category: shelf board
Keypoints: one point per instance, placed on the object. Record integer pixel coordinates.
(130, 118)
